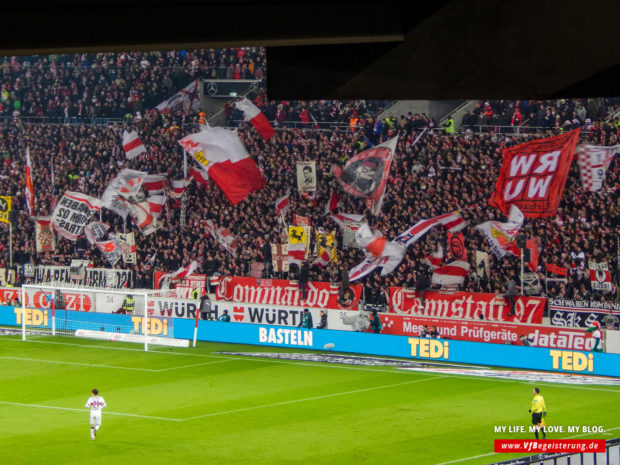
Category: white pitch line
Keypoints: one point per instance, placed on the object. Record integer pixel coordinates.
(80, 364)
(200, 364)
(493, 453)
(307, 399)
(86, 411)
(150, 370)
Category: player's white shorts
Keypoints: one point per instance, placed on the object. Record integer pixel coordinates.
(95, 417)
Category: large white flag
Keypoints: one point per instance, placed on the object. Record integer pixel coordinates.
(125, 187)
(186, 99)
(73, 212)
(593, 161)
(501, 236)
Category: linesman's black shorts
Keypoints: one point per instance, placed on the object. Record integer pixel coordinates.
(536, 418)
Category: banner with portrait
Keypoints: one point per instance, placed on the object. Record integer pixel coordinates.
(306, 176)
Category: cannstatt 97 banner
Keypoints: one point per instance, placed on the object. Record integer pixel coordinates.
(493, 307)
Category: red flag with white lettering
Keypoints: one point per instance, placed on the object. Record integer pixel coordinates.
(533, 175)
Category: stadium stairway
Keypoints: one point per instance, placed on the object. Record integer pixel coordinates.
(436, 109)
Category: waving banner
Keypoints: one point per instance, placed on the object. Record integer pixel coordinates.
(128, 247)
(365, 174)
(533, 175)
(593, 162)
(73, 212)
(306, 176)
(44, 233)
(111, 250)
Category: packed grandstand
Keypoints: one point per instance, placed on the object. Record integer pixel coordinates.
(72, 114)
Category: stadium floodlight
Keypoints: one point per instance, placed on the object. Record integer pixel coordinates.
(86, 313)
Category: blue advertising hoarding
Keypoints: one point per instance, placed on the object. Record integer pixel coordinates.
(501, 355)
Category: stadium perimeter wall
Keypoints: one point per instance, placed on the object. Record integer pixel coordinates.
(502, 355)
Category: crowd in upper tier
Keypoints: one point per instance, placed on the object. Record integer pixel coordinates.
(441, 173)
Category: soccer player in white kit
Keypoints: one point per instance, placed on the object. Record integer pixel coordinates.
(95, 403)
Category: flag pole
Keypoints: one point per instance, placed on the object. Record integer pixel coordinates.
(184, 195)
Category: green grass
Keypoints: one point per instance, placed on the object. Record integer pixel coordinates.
(197, 406)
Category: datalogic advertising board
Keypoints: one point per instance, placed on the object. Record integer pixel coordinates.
(439, 350)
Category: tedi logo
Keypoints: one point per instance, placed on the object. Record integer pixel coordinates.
(571, 361)
(429, 348)
(296, 337)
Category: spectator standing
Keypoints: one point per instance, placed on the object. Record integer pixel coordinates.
(306, 319)
(375, 323)
(323, 321)
(511, 294)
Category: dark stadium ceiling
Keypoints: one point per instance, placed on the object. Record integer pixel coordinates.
(357, 49)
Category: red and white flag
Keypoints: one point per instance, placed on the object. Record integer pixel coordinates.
(501, 236)
(451, 274)
(126, 186)
(282, 205)
(220, 152)
(333, 204)
(342, 218)
(156, 184)
(453, 222)
(299, 220)
(600, 278)
(44, 234)
(434, 259)
(111, 249)
(178, 187)
(377, 247)
(132, 145)
(95, 231)
(182, 272)
(256, 117)
(365, 174)
(186, 99)
(200, 176)
(223, 236)
(593, 161)
(533, 175)
(145, 215)
(29, 185)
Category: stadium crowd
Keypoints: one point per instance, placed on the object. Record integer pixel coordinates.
(438, 174)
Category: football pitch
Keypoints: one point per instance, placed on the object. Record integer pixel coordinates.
(215, 404)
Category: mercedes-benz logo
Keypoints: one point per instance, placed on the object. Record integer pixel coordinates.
(211, 88)
(4, 206)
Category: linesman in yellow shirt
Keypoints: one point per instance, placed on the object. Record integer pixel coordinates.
(538, 411)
